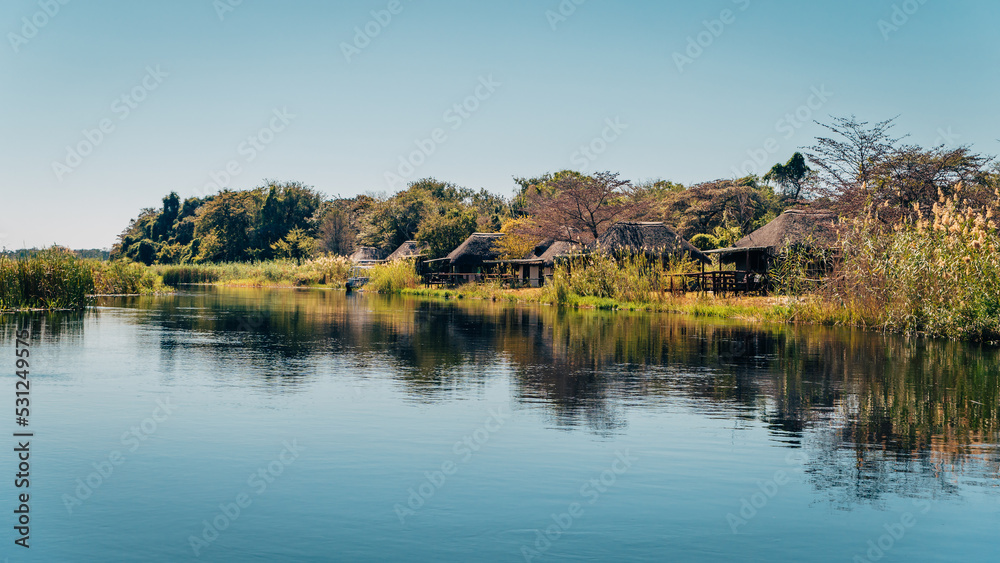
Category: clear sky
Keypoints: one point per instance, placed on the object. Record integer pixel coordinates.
(288, 90)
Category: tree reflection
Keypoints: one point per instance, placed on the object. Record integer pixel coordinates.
(876, 414)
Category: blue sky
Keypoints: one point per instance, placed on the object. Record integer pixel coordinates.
(265, 89)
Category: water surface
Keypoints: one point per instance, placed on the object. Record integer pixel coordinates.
(365, 428)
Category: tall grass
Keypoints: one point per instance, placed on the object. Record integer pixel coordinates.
(327, 270)
(937, 275)
(393, 277)
(58, 279)
(629, 279)
(122, 278)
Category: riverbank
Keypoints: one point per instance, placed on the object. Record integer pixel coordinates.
(744, 308)
(814, 309)
(56, 279)
(324, 271)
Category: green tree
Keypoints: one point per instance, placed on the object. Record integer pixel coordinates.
(287, 206)
(296, 245)
(226, 225)
(391, 221)
(791, 177)
(339, 223)
(443, 233)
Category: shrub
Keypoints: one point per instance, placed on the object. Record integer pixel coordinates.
(705, 242)
(635, 278)
(938, 275)
(393, 277)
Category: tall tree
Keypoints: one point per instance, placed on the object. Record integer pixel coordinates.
(443, 233)
(577, 207)
(850, 159)
(226, 226)
(736, 206)
(791, 176)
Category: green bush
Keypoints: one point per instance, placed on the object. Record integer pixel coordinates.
(392, 277)
(57, 279)
(705, 242)
(633, 279)
(938, 276)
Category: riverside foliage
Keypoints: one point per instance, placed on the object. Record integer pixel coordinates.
(57, 279)
(326, 270)
(938, 275)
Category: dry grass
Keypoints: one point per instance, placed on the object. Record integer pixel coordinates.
(937, 275)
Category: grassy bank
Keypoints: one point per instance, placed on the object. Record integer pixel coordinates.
(936, 276)
(327, 271)
(748, 308)
(57, 279)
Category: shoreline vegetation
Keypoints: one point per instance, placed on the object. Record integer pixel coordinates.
(934, 277)
(57, 279)
(911, 243)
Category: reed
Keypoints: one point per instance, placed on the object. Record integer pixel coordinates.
(627, 279)
(325, 270)
(56, 278)
(393, 277)
(937, 275)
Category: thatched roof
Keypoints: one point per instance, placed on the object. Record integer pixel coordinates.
(367, 254)
(794, 227)
(409, 249)
(547, 252)
(652, 239)
(551, 249)
(476, 249)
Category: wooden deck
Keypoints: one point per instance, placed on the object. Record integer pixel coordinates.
(718, 283)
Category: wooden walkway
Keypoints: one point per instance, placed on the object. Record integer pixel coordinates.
(717, 283)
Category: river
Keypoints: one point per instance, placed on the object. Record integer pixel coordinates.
(306, 425)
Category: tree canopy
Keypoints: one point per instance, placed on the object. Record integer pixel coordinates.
(857, 168)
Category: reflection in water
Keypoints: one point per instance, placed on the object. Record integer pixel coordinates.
(876, 414)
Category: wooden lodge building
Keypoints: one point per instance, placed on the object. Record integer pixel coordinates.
(409, 249)
(539, 264)
(655, 240)
(757, 252)
(470, 262)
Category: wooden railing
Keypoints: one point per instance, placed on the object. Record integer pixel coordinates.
(717, 283)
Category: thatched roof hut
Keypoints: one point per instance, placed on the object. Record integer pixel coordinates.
(478, 248)
(367, 254)
(547, 251)
(409, 249)
(655, 240)
(794, 227)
